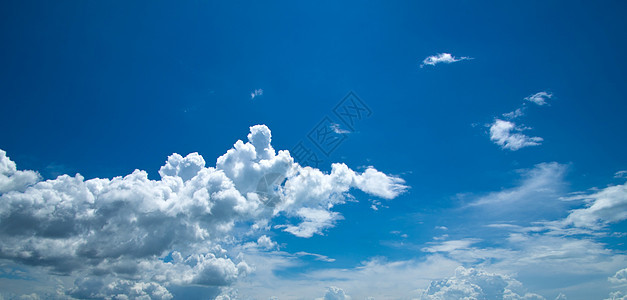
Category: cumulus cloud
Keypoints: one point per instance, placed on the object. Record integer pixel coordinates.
(335, 293)
(539, 98)
(13, 180)
(507, 135)
(446, 58)
(608, 205)
(159, 233)
(477, 284)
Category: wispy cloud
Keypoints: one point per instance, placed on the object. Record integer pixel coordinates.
(446, 58)
(539, 98)
(256, 93)
(338, 129)
(620, 174)
(319, 257)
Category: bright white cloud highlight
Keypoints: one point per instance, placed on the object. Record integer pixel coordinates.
(446, 58)
(507, 135)
(539, 98)
(105, 230)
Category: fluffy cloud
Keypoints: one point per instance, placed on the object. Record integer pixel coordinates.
(442, 58)
(477, 284)
(131, 234)
(507, 135)
(539, 98)
(13, 180)
(335, 293)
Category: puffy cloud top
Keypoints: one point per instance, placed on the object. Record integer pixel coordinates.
(135, 234)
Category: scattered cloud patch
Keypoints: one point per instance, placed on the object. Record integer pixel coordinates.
(514, 114)
(446, 58)
(620, 174)
(539, 98)
(507, 135)
(256, 93)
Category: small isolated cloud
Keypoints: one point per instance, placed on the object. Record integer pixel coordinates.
(507, 135)
(255, 93)
(539, 98)
(620, 174)
(446, 58)
(477, 284)
(338, 129)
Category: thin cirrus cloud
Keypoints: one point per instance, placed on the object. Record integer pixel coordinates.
(111, 233)
(439, 58)
(539, 98)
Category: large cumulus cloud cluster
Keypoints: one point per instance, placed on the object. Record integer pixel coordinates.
(131, 236)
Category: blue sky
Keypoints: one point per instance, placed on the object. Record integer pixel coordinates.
(490, 149)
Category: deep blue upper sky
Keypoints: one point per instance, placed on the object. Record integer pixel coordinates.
(105, 87)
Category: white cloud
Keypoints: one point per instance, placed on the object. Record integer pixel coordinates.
(620, 277)
(608, 205)
(338, 129)
(256, 93)
(319, 257)
(450, 246)
(335, 293)
(514, 114)
(620, 174)
(442, 58)
(105, 230)
(477, 284)
(507, 135)
(539, 98)
(617, 295)
(13, 180)
(539, 185)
